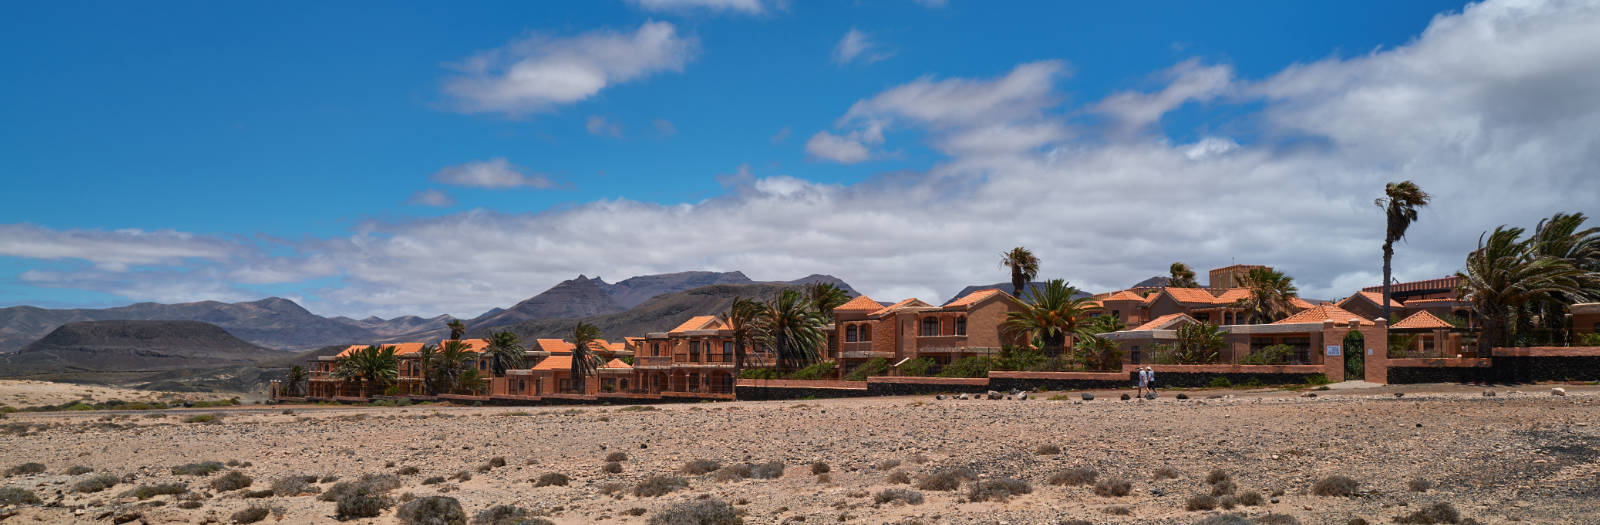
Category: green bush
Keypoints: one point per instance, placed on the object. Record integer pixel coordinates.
(1018, 358)
(971, 366)
(823, 370)
(1317, 380)
(873, 367)
(920, 366)
(18, 496)
(1590, 339)
(1220, 382)
(1272, 355)
(96, 483)
(758, 373)
(202, 418)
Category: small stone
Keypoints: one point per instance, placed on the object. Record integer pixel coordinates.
(1022, 396)
(1088, 397)
(939, 397)
(1183, 396)
(1399, 394)
(1488, 393)
(1309, 394)
(1558, 391)
(995, 395)
(1274, 500)
(1126, 397)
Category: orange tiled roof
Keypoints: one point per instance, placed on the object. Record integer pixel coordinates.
(1300, 303)
(473, 345)
(1376, 298)
(554, 346)
(614, 363)
(399, 348)
(1317, 314)
(699, 322)
(1191, 295)
(896, 306)
(973, 298)
(555, 362)
(861, 303)
(1161, 323)
(1233, 295)
(1422, 320)
(1124, 296)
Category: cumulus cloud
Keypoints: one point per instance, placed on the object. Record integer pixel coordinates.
(855, 45)
(1190, 80)
(598, 125)
(1494, 110)
(112, 250)
(741, 6)
(539, 73)
(496, 173)
(845, 149)
(434, 198)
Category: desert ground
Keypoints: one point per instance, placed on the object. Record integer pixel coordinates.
(1522, 456)
(27, 393)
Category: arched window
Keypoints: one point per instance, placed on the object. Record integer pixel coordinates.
(850, 334)
(961, 325)
(866, 333)
(930, 326)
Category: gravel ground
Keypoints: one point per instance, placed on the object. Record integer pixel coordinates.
(1522, 456)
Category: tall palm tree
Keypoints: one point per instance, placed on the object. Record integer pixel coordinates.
(1400, 201)
(454, 358)
(427, 357)
(1024, 267)
(375, 367)
(1504, 274)
(1562, 236)
(1271, 294)
(457, 329)
(1198, 343)
(584, 361)
(743, 320)
(505, 352)
(791, 330)
(294, 382)
(1181, 276)
(824, 297)
(1051, 314)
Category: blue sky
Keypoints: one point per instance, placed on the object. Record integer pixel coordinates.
(274, 146)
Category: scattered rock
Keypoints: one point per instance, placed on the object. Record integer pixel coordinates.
(1183, 396)
(1126, 397)
(1088, 397)
(1022, 396)
(1558, 391)
(939, 397)
(1399, 394)
(1309, 394)
(995, 395)
(1488, 393)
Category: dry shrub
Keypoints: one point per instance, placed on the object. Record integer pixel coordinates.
(204, 468)
(190, 504)
(408, 471)
(616, 456)
(898, 495)
(1227, 502)
(1113, 487)
(998, 489)
(768, 470)
(1223, 488)
(1225, 519)
(250, 515)
(497, 461)
(918, 459)
(612, 467)
(1200, 502)
(887, 464)
(1419, 485)
(372, 484)
(435, 480)
(1167, 473)
(263, 493)
(1217, 476)
(1335, 486)
(613, 489)
(432, 510)
(824, 478)
(363, 502)
(947, 479)
(79, 470)
(506, 515)
(234, 480)
(1437, 513)
(1047, 450)
(462, 476)
(1074, 476)
(1251, 499)
(699, 466)
(552, 478)
(25, 469)
(18, 496)
(732, 472)
(899, 476)
(144, 492)
(701, 512)
(658, 485)
(96, 483)
(1276, 519)
(820, 468)
(1118, 511)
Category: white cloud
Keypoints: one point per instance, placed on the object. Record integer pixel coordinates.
(112, 250)
(1190, 80)
(854, 45)
(664, 127)
(434, 198)
(849, 148)
(742, 6)
(496, 173)
(1496, 111)
(540, 72)
(598, 125)
(780, 136)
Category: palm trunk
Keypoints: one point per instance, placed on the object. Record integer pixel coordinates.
(1388, 255)
(738, 358)
(1054, 345)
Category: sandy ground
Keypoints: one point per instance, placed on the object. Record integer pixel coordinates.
(1523, 456)
(26, 393)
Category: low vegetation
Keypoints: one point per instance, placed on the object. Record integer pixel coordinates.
(947, 479)
(612, 467)
(1113, 487)
(998, 489)
(250, 515)
(204, 468)
(145, 492)
(898, 495)
(96, 483)
(1432, 514)
(203, 418)
(431, 510)
(78, 470)
(768, 470)
(699, 466)
(699, 512)
(658, 485)
(1074, 476)
(234, 480)
(820, 468)
(1047, 450)
(552, 479)
(295, 486)
(1167, 473)
(25, 469)
(616, 456)
(18, 496)
(1335, 486)
(1419, 485)
(1200, 502)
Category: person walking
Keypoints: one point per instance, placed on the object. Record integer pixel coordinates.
(1141, 381)
(1150, 380)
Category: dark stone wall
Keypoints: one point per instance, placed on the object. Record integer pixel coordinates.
(912, 389)
(1532, 369)
(768, 393)
(1007, 384)
(1202, 379)
(1403, 375)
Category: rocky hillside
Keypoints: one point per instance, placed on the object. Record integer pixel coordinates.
(132, 346)
(660, 313)
(273, 322)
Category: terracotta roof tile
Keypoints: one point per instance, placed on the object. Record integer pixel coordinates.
(555, 362)
(1191, 295)
(1421, 320)
(1373, 297)
(614, 363)
(1124, 296)
(1300, 303)
(1322, 313)
(974, 297)
(1233, 295)
(1163, 323)
(554, 346)
(699, 322)
(861, 303)
(896, 306)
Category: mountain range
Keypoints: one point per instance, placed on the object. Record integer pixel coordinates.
(132, 346)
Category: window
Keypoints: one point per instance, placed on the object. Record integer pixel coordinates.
(961, 325)
(1116, 314)
(727, 351)
(694, 351)
(866, 333)
(655, 349)
(930, 326)
(850, 334)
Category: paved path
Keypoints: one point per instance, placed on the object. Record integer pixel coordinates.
(1352, 385)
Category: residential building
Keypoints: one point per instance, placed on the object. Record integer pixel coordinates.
(967, 326)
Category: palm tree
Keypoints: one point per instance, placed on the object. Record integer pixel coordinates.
(1562, 236)
(791, 330)
(505, 352)
(743, 318)
(584, 362)
(373, 366)
(1024, 266)
(427, 356)
(1181, 276)
(457, 329)
(294, 380)
(454, 358)
(1400, 201)
(1271, 294)
(1504, 274)
(824, 297)
(1051, 314)
(1197, 343)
